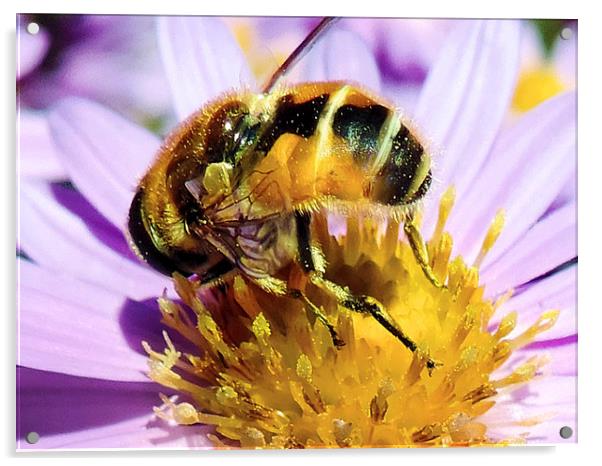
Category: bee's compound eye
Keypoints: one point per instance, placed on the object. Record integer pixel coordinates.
(223, 131)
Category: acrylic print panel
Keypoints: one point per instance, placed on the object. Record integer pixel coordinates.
(385, 257)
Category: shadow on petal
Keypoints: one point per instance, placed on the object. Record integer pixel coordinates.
(50, 403)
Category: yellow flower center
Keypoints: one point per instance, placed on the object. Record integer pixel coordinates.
(534, 86)
(266, 374)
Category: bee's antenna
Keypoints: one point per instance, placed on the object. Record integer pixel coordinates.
(300, 51)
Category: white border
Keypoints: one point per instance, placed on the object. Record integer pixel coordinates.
(407, 8)
(590, 172)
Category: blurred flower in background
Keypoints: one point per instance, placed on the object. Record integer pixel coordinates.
(86, 303)
(109, 59)
(404, 49)
(548, 62)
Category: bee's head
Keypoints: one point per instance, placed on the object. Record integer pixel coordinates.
(153, 240)
(169, 199)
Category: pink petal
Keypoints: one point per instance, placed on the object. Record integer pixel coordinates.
(58, 240)
(202, 60)
(465, 98)
(339, 55)
(408, 41)
(104, 154)
(143, 432)
(37, 156)
(50, 403)
(123, 46)
(529, 165)
(72, 327)
(558, 291)
(549, 243)
(565, 58)
(31, 48)
(569, 192)
(562, 354)
(552, 399)
(74, 412)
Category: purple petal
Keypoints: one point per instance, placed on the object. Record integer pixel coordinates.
(73, 327)
(31, 49)
(529, 165)
(558, 291)
(144, 432)
(55, 238)
(341, 55)
(565, 58)
(562, 353)
(104, 154)
(37, 156)
(466, 96)
(406, 47)
(117, 45)
(51, 403)
(73, 412)
(568, 193)
(549, 243)
(552, 399)
(202, 60)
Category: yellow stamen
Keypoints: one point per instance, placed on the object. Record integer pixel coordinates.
(495, 229)
(266, 374)
(445, 207)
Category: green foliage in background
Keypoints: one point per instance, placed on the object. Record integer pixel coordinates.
(549, 32)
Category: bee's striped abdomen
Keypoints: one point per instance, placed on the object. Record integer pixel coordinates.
(391, 157)
(360, 127)
(332, 142)
(405, 172)
(299, 118)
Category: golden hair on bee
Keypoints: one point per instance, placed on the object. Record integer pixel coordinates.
(235, 186)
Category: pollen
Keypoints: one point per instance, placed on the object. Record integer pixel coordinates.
(265, 373)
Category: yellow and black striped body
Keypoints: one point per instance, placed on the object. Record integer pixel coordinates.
(235, 185)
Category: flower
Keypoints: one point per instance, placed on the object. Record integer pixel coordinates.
(544, 75)
(265, 376)
(83, 54)
(86, 303)
(110, 59)
(404, 49)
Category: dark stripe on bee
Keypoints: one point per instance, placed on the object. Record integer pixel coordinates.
(295, 118)
(303, 221)
(217, 271)
(397, 174)
(360, 128)
(166, 263)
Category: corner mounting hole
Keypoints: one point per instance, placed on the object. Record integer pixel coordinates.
(33, 28)
(566, 33)
(566, 432)
(32, 437)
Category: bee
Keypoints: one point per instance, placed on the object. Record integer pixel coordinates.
(235, 187)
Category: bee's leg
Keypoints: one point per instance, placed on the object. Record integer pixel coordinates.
(278, 287)
(336, 340)
(420, 252)
(308, 263)
(369, 305)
